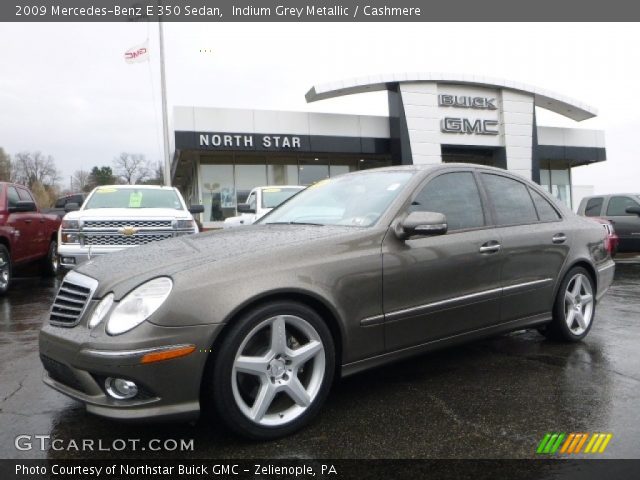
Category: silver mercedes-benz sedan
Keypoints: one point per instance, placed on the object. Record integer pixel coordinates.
(354, 272)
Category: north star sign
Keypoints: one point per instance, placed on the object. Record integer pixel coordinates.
(249, 141)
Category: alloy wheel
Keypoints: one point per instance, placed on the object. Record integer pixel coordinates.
(578, 302)
(278, 370)
(4, 271)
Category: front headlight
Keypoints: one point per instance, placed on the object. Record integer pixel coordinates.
(70, 225)
(185, 227)
(101, 310)
(139, 305)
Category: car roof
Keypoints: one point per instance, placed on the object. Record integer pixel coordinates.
(612, 195)
(438, 166)
(137, 187)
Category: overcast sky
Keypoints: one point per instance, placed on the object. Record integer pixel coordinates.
(65, 89)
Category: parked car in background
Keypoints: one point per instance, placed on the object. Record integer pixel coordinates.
(26, 234)
(259, 202)
(612, 236)
(59, 207)
(354, 272)
(623, 211)
(114, 217)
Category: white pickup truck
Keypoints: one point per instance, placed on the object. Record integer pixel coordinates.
(260, 201)
(114, 217)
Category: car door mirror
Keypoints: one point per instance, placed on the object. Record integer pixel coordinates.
(71, 207)
(422, 224)
(196, 209)
(633, 210)
(245, 208)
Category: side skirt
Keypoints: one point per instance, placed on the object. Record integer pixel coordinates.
(397, 355)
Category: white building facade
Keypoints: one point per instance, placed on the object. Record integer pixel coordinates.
(220, 154)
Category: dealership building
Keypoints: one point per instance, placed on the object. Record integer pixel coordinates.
(221, 153)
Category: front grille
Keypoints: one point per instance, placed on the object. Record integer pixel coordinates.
(72, 300)
(124, 240)
(61, 373)
(127, 223)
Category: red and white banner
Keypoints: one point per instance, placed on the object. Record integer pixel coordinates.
(137, 54)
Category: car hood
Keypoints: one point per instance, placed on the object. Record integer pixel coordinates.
(137, 264)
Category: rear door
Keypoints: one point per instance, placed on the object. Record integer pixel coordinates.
(438, 286)
(35, 223)
(626, 225)
(535, 244)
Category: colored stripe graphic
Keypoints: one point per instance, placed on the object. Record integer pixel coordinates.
(573, 443)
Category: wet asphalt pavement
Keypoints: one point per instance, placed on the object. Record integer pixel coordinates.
(490, 399)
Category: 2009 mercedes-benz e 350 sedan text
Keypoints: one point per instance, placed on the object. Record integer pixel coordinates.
(354, 272)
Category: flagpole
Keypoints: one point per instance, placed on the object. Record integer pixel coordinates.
(165, 120)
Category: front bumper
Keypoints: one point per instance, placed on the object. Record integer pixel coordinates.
(72, 255)
(77, 364)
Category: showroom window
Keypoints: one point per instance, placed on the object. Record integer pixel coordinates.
(556, 179)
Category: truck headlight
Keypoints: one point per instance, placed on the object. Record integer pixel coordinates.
(187, 227)
(67, 237)
(70, 225)
(139, 305)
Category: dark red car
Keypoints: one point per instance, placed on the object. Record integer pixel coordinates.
(26, 234)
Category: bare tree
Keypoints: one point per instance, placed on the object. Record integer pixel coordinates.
(132, 168)
(80, 181)
(6, 168)
(31, 167)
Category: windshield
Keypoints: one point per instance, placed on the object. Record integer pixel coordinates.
(355, 199)
(272, 197)
(114, 197)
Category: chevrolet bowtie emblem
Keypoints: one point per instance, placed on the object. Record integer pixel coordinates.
(128, 231)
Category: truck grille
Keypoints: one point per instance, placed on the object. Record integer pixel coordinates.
(119, 240)
(127, 223)
(72, 300)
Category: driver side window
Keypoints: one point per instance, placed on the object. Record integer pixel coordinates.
(252, 201)
(455, 195)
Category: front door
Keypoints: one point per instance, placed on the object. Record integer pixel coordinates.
(439, 286)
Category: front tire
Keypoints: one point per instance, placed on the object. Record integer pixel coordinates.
(574, 308)
(51, 263)
(5, 270)
(273, 371)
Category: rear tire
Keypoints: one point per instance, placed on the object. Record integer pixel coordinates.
(51, 263)
(5, 270)
(574, 308)
(273, 371)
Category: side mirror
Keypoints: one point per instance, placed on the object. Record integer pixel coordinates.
(24, 206)
(245, 208)
(633, 210)
(196, 209)
(422, 224)
(71, 207)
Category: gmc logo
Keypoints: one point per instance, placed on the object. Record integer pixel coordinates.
(464, 125)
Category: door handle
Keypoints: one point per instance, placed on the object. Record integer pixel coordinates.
(27, 220)
(42, 220)
(559, 238)
(490, 247)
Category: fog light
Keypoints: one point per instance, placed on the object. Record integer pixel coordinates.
(120, 389)
(69, 260)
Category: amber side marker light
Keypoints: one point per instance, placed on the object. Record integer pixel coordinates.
(168, 354)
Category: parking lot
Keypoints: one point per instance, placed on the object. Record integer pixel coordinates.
(491, 399)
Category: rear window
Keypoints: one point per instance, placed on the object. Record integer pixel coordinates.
(594, 206)
(511, 201)
(113, 197)
(546, 212)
